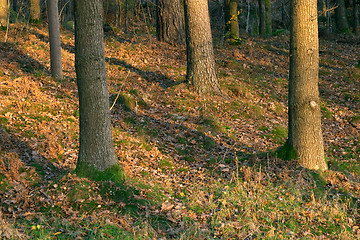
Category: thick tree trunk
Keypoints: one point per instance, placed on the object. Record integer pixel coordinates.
(262, 18)
(231, 18)
(96, 145)
(54, 39)
(356, 17)
(342, 24)
(35, 11)
(268, 18)
(201, 71)
(170, 21)
(4, 12)
(305, 135)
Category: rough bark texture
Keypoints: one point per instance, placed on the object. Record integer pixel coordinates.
(262, 18)
(35, 11)
(268, 19)
(4, 12)
(201, 71)
(305, 134)
(170, 22)
(342, 24)
(96, 145)
(54, 39)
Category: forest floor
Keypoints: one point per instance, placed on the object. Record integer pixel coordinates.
(196, 167)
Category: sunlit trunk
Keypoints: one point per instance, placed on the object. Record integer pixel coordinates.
(305, 135)
(201, 71)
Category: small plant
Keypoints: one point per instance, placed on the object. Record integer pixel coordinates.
(326, 113)
(211, 122)
(278, 134)
(166, 164)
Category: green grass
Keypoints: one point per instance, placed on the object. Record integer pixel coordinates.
(278, 134)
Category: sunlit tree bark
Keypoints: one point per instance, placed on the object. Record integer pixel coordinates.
(4, 12)
(201, 71)
(35, 11)
(305, 135)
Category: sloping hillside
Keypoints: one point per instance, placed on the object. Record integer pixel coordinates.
(197, 168)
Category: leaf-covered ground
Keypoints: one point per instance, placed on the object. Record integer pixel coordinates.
(197, 168)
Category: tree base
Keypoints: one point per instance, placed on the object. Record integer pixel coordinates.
(286, 152)
(115, 173)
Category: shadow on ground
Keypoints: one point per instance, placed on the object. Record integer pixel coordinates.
(164, 81)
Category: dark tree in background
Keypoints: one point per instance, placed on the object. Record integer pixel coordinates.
(262, 17)
(126, 16)
(342, 24)
(170, 21)
(54, 39)
(305, 135)
(268, 17)
(355, 17)
(96, 144)
(201, 70)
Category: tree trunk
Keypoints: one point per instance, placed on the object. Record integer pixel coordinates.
(268, 19)
(342, 24)
(170, 21)
(356, 17)
(231, 18)
(54, 39)
(35, 11)
(69, 14)
(117, 13)
(201, 71)
(4, 12)
(262, 18)
(96, 145)
(305, 135)
(248, 16)
(325, 6)
(126, 16)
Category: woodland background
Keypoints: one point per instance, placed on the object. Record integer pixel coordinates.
(197, 167)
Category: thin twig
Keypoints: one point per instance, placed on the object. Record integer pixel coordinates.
(62, 9)
(118, 94)
(7, 24)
